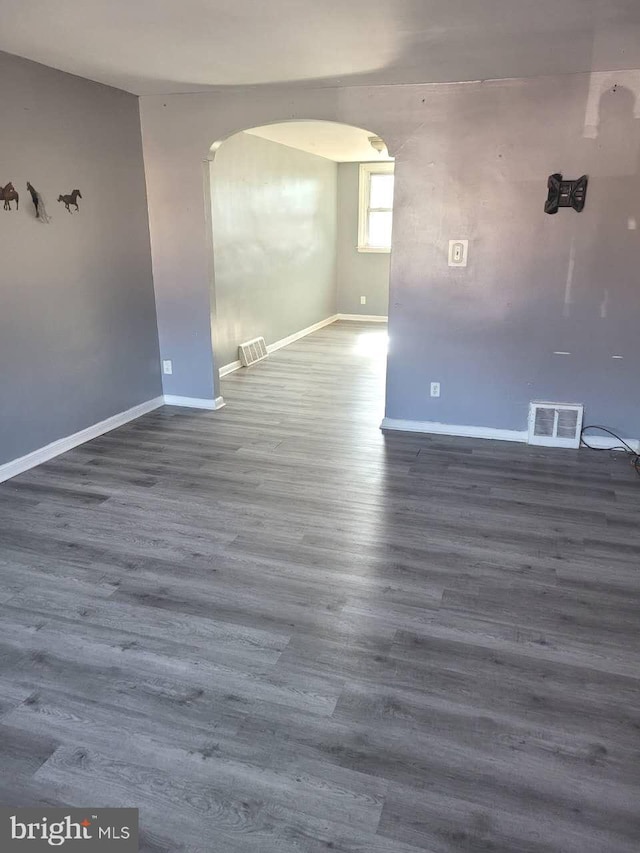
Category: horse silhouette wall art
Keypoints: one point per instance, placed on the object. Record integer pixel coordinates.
(9, 194)
(71, 199)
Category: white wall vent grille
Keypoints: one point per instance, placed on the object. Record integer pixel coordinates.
(555, 424)
(252, 351)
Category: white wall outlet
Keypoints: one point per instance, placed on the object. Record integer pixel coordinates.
(363, 300)
(167, 366)
(458, 253)
(435, 389)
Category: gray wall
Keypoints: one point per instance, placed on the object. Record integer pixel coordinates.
(274, 226)
(78, 337)
(359, 273)
(471, 161)
(536, 284)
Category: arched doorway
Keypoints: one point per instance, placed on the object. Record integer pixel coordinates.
(300, 215)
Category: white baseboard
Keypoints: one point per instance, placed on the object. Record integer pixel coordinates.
(194, 402)
(598, 442)
(284, 342)
(226, 369)
(605, 442)
(433, 428)
(44, 454)
(364, 318)
(229, 368)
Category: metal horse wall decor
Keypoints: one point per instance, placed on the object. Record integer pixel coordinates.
(71, 199)
(9, 194)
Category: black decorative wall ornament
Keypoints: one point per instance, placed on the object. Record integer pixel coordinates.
(9, 194)
(38, 203)
(72, 198)
(565, 193)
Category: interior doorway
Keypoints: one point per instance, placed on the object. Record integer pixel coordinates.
(301, 215)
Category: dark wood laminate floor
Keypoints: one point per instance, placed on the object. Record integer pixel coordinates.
(272, 628)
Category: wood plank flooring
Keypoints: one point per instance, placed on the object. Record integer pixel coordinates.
(272, 628)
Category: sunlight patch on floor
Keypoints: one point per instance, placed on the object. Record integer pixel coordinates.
(372, 344)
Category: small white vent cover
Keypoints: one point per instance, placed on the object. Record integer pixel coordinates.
(555, 424)
(252, 351)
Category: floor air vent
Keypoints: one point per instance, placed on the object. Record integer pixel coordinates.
(252, 351)
(555, 424)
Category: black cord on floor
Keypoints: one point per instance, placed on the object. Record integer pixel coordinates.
(633, 455)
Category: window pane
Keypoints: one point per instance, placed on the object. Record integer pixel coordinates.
(380, 229)
(381, 193)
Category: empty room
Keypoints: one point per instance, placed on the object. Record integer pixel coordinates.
(319, 432)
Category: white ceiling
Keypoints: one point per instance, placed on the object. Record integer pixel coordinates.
(339, 142)
(163, 46)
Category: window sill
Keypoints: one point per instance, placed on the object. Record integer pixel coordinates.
(378, 249)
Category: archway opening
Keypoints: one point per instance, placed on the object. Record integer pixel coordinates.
(301, 230)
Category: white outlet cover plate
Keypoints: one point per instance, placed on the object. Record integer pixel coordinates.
(458, 253)
(167, 366)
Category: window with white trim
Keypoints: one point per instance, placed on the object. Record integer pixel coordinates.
(375, 215)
